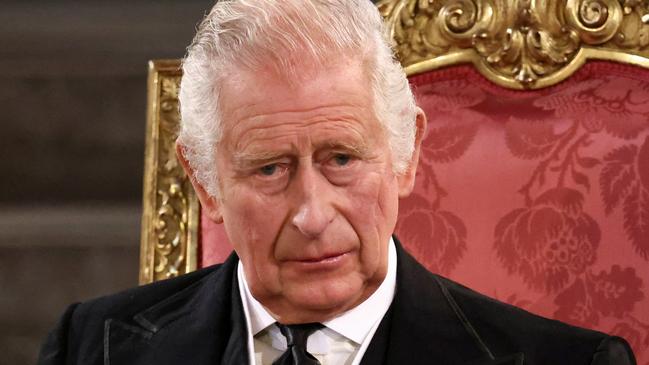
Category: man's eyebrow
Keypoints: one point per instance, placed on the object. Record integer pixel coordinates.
(360, 148)
(250, 159)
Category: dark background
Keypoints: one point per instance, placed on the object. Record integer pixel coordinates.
(72, 119)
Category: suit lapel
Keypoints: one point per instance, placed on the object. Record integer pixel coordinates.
(425, 328)
(514, 359)
(236, 350)
(202, 324)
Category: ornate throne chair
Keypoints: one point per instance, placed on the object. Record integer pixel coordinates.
(534, 181)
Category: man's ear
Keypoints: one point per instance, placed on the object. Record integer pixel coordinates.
(407, 179)
(210, 205)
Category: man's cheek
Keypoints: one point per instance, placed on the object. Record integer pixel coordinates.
(264, 219)
(365, 199)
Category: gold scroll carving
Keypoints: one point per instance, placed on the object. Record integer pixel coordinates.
(519, 44)
(170, 219)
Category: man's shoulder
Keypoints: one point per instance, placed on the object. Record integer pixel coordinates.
(81, 334)
(90, 316)
(502, 326)
(131, 301)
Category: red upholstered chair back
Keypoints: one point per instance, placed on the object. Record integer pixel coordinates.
(539, 199)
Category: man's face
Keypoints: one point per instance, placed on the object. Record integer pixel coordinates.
(308, 196)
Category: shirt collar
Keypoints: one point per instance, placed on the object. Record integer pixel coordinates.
(257, 316)
(354, 324)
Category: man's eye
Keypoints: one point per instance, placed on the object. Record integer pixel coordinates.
(342, 159)
(268, 170)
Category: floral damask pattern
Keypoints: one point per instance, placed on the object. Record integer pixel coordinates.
(549, 243)
(572, 234)
(616, 292)
(588, 299)
(442, 227)
(625, 181)
(422, 218)
(617, 105)
(561, 246)
(575, 306)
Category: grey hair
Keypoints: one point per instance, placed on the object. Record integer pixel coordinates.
(249, 34)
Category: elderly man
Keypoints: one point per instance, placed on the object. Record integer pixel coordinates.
(300, 133)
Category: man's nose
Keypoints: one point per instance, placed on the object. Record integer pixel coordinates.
(314, 208)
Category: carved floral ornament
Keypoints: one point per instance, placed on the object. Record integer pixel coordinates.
(171, 212)
(521, 44)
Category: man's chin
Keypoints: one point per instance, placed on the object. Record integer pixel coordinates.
(320, 302)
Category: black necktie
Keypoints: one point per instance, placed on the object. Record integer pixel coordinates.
(296, 336)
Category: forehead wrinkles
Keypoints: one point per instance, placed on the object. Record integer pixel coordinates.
(319, 128)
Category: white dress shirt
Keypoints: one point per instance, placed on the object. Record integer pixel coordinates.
(343, 340)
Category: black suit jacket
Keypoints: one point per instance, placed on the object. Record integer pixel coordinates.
(198, 319)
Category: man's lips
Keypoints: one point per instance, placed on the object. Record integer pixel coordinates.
(321, 259)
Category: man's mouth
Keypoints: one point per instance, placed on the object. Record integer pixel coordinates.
(324, 258)
(326, 261)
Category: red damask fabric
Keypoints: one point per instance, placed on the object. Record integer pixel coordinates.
(540, 199)
(537, 198)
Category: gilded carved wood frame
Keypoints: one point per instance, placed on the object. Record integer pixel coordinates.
(170, 216)
(517, 44)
